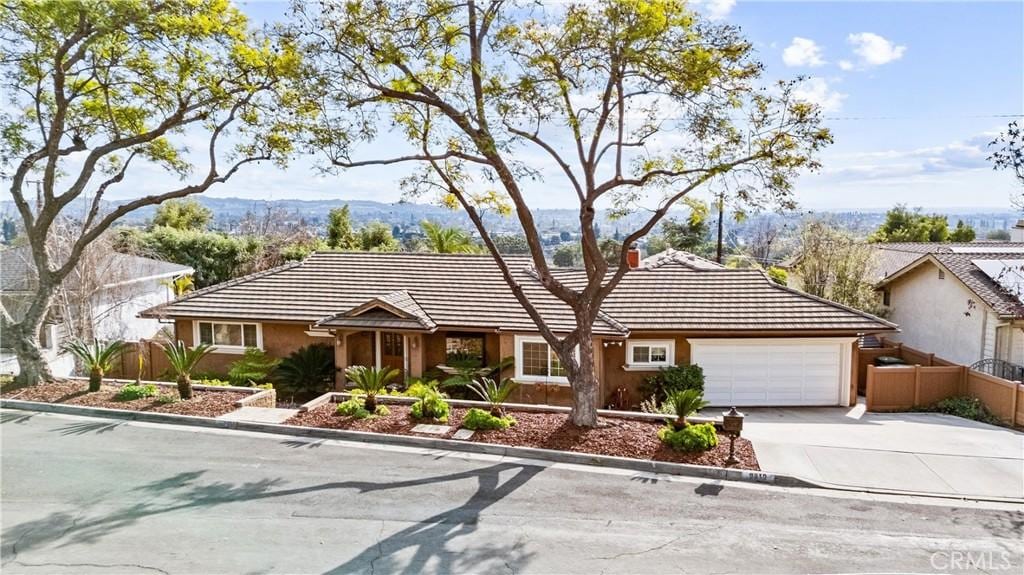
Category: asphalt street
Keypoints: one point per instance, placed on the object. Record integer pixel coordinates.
(83, 495)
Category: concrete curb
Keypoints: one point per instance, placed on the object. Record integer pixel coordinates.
(639, 465)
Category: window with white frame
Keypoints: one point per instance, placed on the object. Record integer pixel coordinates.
(537, 362)
(650, 353)
(229, 335)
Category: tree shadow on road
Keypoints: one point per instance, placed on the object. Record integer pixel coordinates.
(426, 539)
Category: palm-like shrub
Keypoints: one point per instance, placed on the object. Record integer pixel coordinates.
(493, 392)
(684, 404)
(309, 369)
(96, 358)
(371, 381)
(183, 361)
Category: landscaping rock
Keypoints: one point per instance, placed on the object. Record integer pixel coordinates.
(431, 429)
(463, 434)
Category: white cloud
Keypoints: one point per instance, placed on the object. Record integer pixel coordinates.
(874, 50)
(846, 65)
(818, 91)
(716, 9)
(802, 52)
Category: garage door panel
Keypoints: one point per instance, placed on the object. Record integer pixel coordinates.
(756, 372)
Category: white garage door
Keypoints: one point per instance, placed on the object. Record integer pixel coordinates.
(774, 371)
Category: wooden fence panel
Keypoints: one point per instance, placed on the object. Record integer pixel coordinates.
(890, 388)
(866, 357)
(999, 395)
(938, 383)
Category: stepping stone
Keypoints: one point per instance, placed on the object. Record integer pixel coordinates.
(260, 414)
(463, 434)
(431, 429)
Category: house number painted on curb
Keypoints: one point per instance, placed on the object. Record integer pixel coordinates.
(760, 476)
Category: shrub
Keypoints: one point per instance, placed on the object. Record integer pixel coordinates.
(165, 399)
(371, 381)
(692, 438)
(354, 408)
(308, 370)
(671, 379)
(479, 419)
(183, 360)
(254, 367)
(135, 391)
(97, 358)
(214, 382)
(431, 406)
(492, 392)
(965, 407)
(421, 388)
(684, 404)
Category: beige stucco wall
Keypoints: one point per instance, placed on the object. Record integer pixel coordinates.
(279, 340)
(937, 316)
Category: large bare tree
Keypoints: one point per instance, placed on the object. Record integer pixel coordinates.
(633, 103)
(104, 91)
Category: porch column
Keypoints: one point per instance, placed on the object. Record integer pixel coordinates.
(376, 348)
(340, 358)
(415, 354)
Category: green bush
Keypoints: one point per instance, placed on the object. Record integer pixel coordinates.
(691, 438)
(308, 370)
(255, 366)
(355, 408)
(135, 391)
(673, 379)
(352, 407)
(431, 406)
(479, 419)
(165, 399)
(214, 382)
(965, 407)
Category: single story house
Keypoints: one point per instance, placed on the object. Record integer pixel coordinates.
(961, 302)
(759, 343)
(108, 294)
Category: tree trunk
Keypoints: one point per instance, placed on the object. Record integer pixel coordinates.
(184, 387)
(95, 380)
(370, 403)
(583, 379)
(33, 367)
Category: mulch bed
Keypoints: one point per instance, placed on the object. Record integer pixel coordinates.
(615, 436)
(74, 392)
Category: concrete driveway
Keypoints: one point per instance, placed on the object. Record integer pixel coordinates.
(924, 452)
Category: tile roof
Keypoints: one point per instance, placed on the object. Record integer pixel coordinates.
(458, 291)
(461, 291)
(1003, 303)
(395, 310)
(893, 257)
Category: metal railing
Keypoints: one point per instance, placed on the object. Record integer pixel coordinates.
(1000, 368)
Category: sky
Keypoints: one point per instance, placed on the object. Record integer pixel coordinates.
(912, 91)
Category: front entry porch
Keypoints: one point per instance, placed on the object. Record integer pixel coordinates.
(378, 348)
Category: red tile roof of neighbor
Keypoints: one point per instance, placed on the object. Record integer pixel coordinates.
(674, 291)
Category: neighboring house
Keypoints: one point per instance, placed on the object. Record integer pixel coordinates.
(961, 302)
(759, 343)
(108, 294)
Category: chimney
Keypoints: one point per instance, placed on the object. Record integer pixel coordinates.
(1017, 232)
(633, 257)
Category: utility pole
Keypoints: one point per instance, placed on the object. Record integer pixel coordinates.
(721, 212)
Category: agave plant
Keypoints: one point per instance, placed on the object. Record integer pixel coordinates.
(685, 403)
(183, 360)
(371, 381)
(96, 358)
(493, 392)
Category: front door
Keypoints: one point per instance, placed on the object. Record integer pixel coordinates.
(392, 351)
